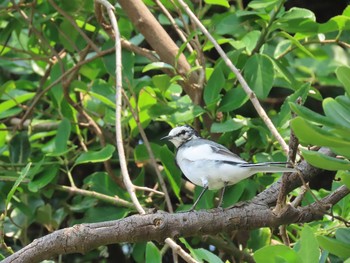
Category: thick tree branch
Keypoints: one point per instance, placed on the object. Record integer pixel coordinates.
(160, 41)
(159, 226)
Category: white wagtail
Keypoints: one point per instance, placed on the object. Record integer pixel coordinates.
(211, 165)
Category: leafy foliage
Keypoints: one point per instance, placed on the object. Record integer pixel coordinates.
(57, 113)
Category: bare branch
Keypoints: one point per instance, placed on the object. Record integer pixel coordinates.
(159, 226)
(119, 137)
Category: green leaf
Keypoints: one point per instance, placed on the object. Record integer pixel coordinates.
(141, 153)
(259, 238)
(102, 213)
(276, 254)
(3, 134)
(259, 73)
(44, 217)
(20, 178)
(42, 179)
(343, 235)
(311, 134)
(343, 75)
(10, 103)
(62, 137)
(96, 156)
(345, 177)
(297, 20)
(161, 81)
(265, 4)
(309, 250)
(227, 126)
(102, 183)
(215, 83)
(19, 148)
(312, 116)
(233, 99)
(334, 246)
(250, 40)
(69, 39)
(172, 172)
(218, 2)
(157, 65)
(337, 112)
(326, 162)
(152, 253)
(100, 97)
(234, 193)
(296, 43)
(206, 255)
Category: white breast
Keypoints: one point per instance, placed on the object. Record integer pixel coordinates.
(202, 166)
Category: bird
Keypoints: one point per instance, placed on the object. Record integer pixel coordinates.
(211, 165)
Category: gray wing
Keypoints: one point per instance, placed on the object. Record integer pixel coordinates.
(202, 149)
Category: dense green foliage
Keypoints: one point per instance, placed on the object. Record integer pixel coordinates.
(58, 162)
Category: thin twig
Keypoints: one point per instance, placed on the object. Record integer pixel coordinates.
(115, 200)
(147, 189)
(119, 137)
(175, 26)
(76, 27)
(239, 76)
(265, 31)
(123, 165)
(320, 42)
(293, 149)
(187, 257)
(150, 153)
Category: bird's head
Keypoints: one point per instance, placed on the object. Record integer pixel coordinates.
(180, 135)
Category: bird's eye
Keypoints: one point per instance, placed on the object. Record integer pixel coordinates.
(183, 132)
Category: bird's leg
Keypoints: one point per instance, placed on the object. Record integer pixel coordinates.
(222, 194)
(205, 188)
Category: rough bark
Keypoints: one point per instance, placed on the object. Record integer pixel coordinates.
(161, 42)
(158, 226)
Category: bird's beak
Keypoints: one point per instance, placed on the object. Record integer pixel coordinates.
(166, 137)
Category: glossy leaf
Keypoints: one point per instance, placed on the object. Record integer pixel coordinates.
(312, 116)
(308, 133)
(218, 2)
(206, 255)
(267, 4)
(259, 73)
(337, 112)
(20, 148)
(326, 162)
(259, 238)
(343, 74)
(153, 253)
(96, 156)
(297, 20)
(43, 178)
(343, 235)
(8, 104)
(277, 253)
(227, 126)
(62, 136)
(157, 65)
(20, 178)
(215, 84)
(233, 99)
(334, 246)
(309, 250)
(172, 172)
